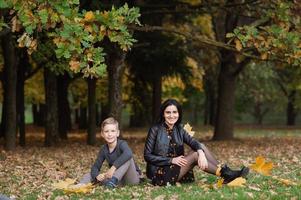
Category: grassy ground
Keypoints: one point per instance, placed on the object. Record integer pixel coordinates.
(28, 173)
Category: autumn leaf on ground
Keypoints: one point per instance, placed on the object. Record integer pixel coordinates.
(284, 181)
(261, 166)
(188, 129)
(69, 187)
(219, 183)
(238, 182)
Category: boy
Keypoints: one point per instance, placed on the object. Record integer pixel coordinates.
(119, 156)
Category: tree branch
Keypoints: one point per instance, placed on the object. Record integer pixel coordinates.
(207, 42)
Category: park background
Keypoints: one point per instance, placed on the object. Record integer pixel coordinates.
(67, 65)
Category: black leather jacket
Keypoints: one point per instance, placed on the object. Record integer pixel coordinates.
(157, 145)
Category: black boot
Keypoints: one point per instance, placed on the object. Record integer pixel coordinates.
(229, 175)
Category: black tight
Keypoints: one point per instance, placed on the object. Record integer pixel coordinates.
(192, 160)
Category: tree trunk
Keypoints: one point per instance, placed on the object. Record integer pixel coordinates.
(10, 88)
(115, 71)
(210, 101)
(91, 111)
(83, 117)
(63, 106)
(291, 112)
(157, 93)
(51, 123)
(22, 65)
(225, 105)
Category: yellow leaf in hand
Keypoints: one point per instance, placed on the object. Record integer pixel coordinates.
(261, 166)
(238, 182)
(188, 129)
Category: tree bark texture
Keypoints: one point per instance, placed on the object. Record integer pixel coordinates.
(51, 123)
(115, 71)
(91, 140)
(10, 88)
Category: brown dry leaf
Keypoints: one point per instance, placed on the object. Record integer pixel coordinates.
(264, 56)
(284, 181)
(238, 182)
(188, 129)
(261, 166)
(160, 197)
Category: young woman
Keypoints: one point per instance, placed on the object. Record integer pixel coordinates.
(164, 151)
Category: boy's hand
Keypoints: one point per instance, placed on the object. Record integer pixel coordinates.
(100, 177)
(110, 172)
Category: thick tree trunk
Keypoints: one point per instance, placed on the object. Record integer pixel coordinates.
(157, 93)
(23, 64)
(104, 111)
(10, 88)
(91, 140)
(291, 112)
(225, 105)
(63, 106)
(115, 71)
(51, 123)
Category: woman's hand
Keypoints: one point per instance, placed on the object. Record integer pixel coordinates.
(202, 160)
(180, 160)
(110, 172)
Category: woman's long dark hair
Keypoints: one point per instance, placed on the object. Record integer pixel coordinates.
(164, 105)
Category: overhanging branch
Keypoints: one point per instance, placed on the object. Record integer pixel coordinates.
(207, 42)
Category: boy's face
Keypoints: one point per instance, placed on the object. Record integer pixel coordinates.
(110, 133)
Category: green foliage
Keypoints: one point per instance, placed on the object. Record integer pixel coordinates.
(77, 35)
(279, 38)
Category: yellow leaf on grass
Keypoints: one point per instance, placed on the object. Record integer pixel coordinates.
(220, 182)
(261, 166)
(69, 187)
(64, 184)
(238, 182)
(284, 181)
(84, 188)
(188, 129)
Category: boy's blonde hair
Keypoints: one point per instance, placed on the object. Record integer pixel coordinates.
(110, 120)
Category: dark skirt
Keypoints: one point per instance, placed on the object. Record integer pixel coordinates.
(169, 175)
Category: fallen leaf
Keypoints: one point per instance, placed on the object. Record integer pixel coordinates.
(238, 182)
(219, 183)
(284, 181)
(261, 166)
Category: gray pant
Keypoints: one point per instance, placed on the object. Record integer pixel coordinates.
(126, 174)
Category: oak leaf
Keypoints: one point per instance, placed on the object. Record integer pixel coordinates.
(261, 166)
(188, 129)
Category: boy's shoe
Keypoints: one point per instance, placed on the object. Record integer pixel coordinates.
(111, 183)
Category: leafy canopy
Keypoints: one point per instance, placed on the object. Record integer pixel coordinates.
(77, 35)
